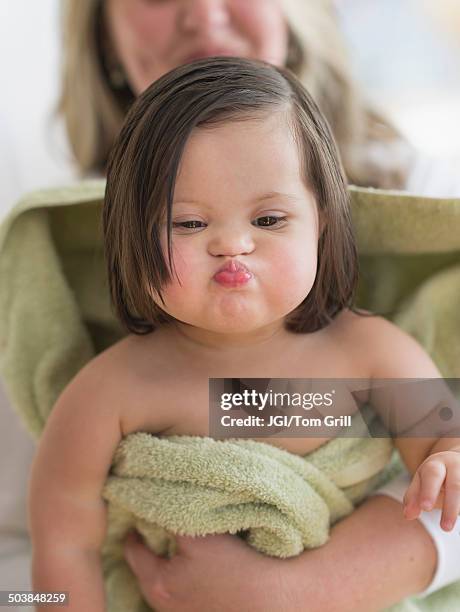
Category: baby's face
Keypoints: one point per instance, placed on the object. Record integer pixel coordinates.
(240, 199)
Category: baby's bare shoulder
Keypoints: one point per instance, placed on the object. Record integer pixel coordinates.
(390, 351)
(355, 329)
(358, 326)
(117, 374)
(104, 370)
(132, 379)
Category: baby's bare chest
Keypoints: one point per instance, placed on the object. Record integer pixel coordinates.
(178, 402)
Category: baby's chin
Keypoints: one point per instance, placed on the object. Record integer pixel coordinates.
(237, 311)
(232, 322)
(227, 325)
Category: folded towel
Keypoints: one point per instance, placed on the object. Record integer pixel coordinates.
(279, 502)
(55, 315)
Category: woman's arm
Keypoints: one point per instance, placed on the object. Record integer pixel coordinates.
(373, 559)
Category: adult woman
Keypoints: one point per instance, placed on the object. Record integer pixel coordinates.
(114, 50)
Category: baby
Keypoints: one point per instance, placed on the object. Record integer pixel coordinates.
(230, 253)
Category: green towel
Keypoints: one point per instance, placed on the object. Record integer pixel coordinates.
(55, 315)
(279, 502)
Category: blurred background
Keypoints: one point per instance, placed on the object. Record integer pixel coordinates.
(32, 143)
(405, 53)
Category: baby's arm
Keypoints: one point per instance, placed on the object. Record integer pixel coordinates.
(67, 514)
(412, 410)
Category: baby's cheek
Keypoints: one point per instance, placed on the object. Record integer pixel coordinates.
(295, 272)
(179, 258)
(184, 277)
(294, 278)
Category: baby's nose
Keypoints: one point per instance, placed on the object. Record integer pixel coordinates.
(231, 241)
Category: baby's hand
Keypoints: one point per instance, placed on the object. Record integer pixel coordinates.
(437, 477)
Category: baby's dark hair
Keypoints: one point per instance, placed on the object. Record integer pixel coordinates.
(144, 163)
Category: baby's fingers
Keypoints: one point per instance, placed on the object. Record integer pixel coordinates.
(432, 476)
(411, 506)
(451, 506)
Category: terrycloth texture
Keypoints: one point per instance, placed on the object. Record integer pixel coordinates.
(55, 315)
(194, 486)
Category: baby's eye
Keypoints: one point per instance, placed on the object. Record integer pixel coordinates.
(189, 225)
(269, 221)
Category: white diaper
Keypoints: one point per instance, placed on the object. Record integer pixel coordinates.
(447, 542)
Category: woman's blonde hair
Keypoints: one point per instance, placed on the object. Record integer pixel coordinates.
(94, 100)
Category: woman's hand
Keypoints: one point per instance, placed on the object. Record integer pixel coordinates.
(373, 559)
(216, 573)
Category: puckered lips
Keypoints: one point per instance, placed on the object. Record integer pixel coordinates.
(232, 274)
